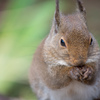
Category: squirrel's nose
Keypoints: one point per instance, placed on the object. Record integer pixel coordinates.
(78, 63)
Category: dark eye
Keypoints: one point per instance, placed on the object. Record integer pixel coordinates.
(63, 43)
(91, 42)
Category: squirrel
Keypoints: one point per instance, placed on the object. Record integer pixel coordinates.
(66, 65)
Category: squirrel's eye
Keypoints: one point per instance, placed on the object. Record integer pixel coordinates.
(91, 41)
(63, 43)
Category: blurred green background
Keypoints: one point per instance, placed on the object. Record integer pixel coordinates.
(23, 24)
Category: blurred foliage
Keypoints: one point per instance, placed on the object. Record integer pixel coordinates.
(23, 24)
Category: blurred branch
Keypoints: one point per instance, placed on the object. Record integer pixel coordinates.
(4, 97)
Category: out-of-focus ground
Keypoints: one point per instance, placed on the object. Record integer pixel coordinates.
(23, 24)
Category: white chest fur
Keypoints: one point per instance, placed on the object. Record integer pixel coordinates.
(75, 91)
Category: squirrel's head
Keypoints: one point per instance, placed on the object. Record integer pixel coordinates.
(70, 37)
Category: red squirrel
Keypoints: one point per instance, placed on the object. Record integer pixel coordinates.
(66, 65)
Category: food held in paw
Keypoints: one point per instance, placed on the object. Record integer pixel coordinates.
(83, 74)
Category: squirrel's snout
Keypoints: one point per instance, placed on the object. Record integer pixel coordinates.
(78, 63)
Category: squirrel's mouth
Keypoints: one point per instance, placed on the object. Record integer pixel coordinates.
(84, 74)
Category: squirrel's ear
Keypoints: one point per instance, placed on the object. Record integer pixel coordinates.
(57, 17)
(81, 7)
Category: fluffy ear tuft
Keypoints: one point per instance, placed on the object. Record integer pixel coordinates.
(81, 7)
(57, 17)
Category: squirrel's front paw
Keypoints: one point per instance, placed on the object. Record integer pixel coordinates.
(83, 74)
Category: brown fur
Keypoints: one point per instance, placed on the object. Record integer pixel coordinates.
(47, 67)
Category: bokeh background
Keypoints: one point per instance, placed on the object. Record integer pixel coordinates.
(23, 24)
